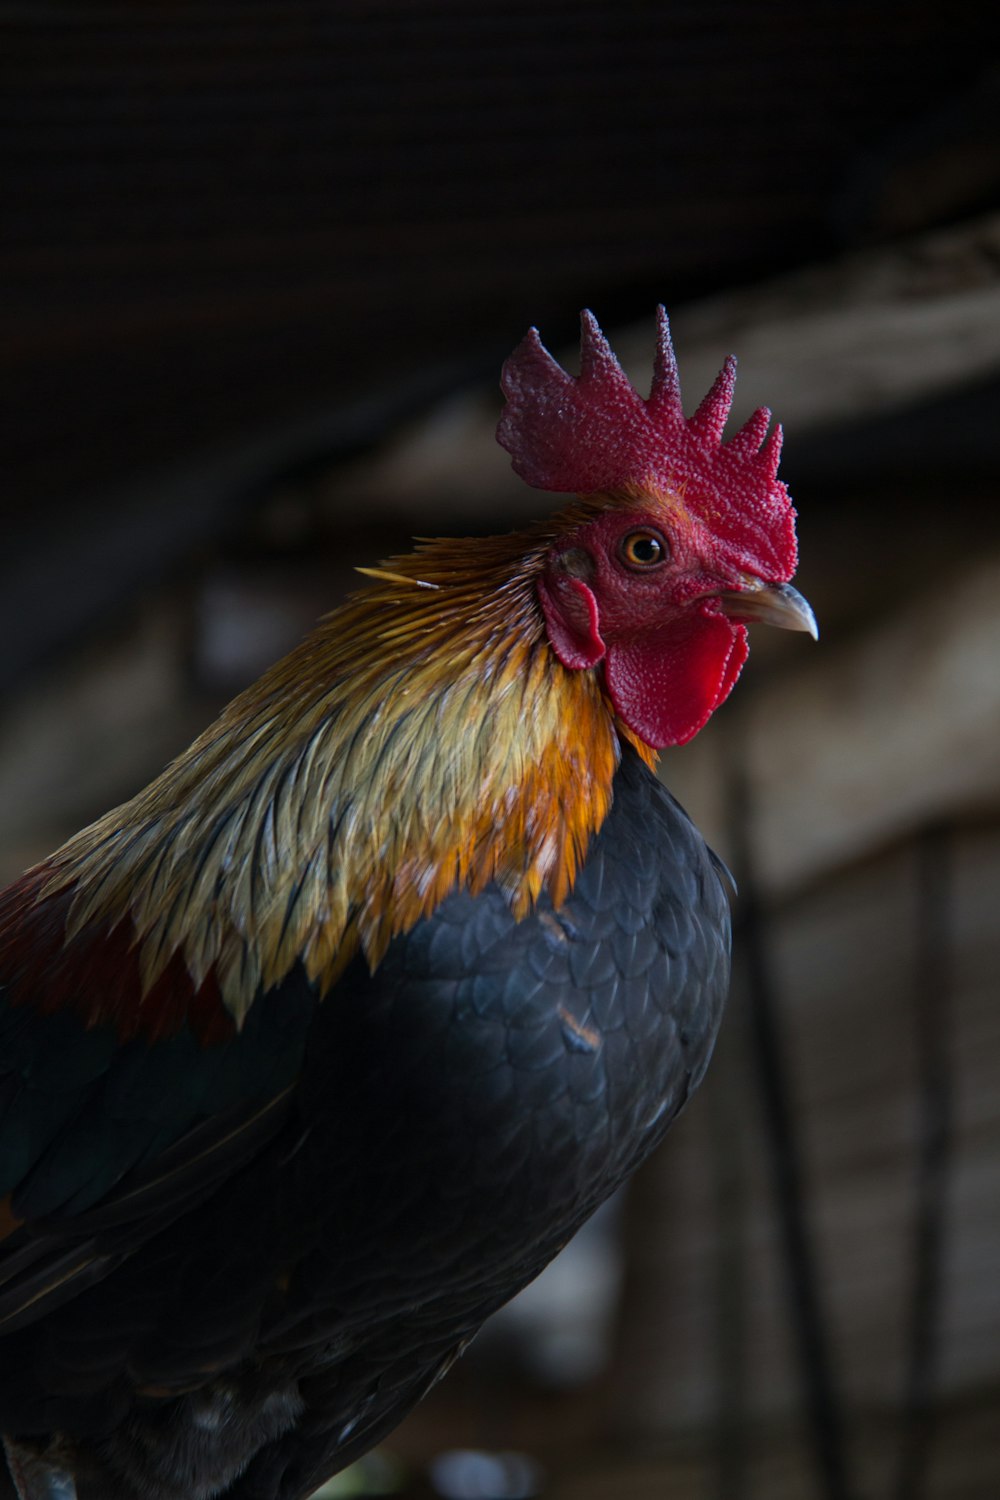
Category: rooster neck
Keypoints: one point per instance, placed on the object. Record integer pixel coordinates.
(423, 739)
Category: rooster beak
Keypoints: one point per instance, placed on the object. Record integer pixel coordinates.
(770, 604)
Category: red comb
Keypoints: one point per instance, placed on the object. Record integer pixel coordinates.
(593, 433)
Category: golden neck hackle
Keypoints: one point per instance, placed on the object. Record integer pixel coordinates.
(424, 738)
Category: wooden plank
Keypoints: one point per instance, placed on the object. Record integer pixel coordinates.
(852, 750)
(863, 335)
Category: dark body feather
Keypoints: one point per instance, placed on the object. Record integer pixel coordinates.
(249, 1308)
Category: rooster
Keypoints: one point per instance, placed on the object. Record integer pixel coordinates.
(317, 1050)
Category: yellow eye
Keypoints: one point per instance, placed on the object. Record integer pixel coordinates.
(643, 549)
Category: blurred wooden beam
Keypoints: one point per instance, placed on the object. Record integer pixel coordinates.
(857, 746)
(899, 728)
(856, 338)
(64, 567)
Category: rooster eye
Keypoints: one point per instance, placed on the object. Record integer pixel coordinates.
(643, 550)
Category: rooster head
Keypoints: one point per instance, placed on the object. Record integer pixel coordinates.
(689, 538)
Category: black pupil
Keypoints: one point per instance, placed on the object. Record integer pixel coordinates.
(645, 549)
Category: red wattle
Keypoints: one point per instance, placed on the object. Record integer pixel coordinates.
(666, 684)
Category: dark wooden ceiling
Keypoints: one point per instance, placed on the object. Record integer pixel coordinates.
(221, 215)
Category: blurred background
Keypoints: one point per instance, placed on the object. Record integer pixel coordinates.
(260, 264)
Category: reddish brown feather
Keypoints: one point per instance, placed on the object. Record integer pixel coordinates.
(96, 973)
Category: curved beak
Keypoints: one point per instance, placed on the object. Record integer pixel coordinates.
(770, 604)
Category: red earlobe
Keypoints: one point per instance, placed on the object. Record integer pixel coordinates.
(572, 620)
